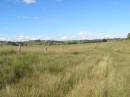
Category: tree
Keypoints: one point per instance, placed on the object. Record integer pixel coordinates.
(104, 40)
(38, 40)
(128, 36)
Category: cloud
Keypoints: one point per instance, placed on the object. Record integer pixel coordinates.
(3, 39)
(26, 38)
(34, 1)
(22, 38)
(93, 35)
(83, 35)
(67, 38)
(77, 36)
(29, 1)
(28, 17)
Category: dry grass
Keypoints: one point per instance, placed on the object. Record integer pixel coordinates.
(83, 70)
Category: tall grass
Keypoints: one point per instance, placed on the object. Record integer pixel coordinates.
(87, 70)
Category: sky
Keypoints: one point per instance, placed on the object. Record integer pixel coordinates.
(64, 19)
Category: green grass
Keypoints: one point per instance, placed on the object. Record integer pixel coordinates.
(80, 70)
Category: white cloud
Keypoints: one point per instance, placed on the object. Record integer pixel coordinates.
(34, 1)
(29, 1)
(82, 33)
(66, 38)
(76, 36)
(93, 35)
(3, 39)
(22, 38)
(26, 38)
(28, 17)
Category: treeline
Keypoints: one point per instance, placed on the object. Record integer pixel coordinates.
(54, 42)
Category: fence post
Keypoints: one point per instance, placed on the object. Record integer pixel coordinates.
(19, 48)
(45, 49)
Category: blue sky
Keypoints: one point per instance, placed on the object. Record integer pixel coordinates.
(64, 19)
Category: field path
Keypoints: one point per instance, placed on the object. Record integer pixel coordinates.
(96, 84)
(100, 69)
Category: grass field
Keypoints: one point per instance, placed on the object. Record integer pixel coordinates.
(80, 70)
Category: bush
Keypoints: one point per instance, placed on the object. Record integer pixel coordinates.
(104, 40)
(128, 36)
(75, 53)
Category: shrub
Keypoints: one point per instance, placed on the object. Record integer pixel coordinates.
(104, 40)
(128, 36)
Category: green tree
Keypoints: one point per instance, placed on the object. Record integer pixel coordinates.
(128, 36)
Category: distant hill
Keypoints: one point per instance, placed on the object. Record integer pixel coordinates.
(55, 42)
